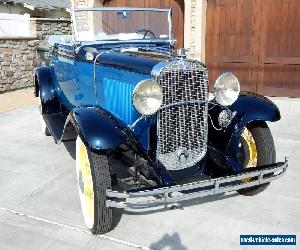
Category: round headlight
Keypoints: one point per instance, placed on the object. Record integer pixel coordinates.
(227, 89)
(147, 97)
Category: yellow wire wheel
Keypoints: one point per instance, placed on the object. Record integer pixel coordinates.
(250, 151)
(85, 183)
(250, 142)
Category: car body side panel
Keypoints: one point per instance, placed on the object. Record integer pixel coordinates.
(114, 88)
(114, 93)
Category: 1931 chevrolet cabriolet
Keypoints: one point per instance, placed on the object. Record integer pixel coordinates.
(146, 130)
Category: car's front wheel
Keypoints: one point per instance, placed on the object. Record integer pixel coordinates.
(93, 177)
(256, 149)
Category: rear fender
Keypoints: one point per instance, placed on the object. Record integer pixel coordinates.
(45, 89)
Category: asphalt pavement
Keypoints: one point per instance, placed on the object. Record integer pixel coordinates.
(40, 209)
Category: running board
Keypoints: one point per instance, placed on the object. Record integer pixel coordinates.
(172, 194)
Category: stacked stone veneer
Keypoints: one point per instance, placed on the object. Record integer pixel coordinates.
(18, 57)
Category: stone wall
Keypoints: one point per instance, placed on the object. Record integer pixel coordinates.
(18, 56)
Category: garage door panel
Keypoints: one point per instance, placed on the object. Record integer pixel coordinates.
(136, 3)
(228, 45)
(177, 9)
(296, 44)
(258, 39)
(241, 70)
(225, 2)
(228, 49)
(245, 18)
(280, 49)
(281, 80)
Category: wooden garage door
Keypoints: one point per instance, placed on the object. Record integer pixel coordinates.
(259, 41)
(177, 11)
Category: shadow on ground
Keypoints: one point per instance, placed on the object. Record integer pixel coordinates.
(169, 242)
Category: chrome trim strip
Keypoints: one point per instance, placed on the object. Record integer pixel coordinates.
(136, 122)
(184, 102)
(94, 76)
(170, 25)
(167, 192)
(119, 8)
(156, 71)
(94, 82)
(147, 41)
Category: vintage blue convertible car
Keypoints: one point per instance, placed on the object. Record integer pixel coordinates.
(147, 132)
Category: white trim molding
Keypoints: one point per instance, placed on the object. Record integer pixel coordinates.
(194, 28)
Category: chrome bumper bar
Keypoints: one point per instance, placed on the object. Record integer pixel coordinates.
(209, 187)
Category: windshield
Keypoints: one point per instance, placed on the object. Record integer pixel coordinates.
(117, 24)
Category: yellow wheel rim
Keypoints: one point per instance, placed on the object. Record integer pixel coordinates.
(85, 183)
(251, 149)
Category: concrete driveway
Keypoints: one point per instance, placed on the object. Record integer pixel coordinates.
(39, 204)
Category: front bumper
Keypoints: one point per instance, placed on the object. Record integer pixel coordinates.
(166, 195)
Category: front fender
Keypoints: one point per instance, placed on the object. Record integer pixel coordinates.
(101, 131)
(249, 107)
(252, 107)
(98, 129)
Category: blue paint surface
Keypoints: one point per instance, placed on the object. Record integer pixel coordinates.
(114, 89)
(74, 83)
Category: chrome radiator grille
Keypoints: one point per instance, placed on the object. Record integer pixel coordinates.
(182, 121)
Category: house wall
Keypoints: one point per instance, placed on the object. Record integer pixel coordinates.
(194, 28)
(18, 56)
(10, 8)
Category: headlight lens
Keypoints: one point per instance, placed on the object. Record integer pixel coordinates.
(227, 89)
(147, 97)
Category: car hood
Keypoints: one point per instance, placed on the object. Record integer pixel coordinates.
(132, 59)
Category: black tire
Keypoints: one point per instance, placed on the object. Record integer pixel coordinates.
(100, 172)
(266, 153)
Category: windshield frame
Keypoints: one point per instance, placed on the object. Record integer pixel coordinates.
(75, 31)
